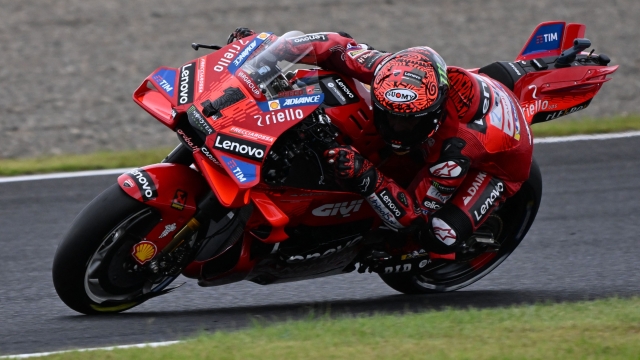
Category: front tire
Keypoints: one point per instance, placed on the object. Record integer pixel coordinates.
(93, 271)
(514, 217)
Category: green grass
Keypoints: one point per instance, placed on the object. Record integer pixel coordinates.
(94, 161)
(108, 160)
(572, 126)
(603, 329)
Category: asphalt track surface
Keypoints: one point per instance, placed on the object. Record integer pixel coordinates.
(583, 245)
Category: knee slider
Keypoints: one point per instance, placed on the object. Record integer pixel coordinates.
(449, 227)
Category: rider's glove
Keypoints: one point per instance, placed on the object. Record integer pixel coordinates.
(239, 33)
(354, 172)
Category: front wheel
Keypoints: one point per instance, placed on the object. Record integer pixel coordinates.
(93, 271)
(509, 223)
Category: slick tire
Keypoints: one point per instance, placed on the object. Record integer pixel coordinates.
(87, 233)
(517, 214)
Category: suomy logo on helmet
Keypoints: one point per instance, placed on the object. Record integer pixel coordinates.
(400, 95)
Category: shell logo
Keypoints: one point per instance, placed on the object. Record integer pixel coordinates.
(274, 105)
(144, 251)
(263, 36)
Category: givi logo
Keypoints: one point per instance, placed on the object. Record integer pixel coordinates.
(344, 209)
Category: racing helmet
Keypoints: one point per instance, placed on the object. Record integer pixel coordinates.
(408, 92)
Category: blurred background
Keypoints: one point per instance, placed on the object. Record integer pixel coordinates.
(69, 67)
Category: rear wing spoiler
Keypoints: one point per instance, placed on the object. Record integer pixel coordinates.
(550, 38)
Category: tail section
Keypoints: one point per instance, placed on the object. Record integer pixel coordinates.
(550, 38)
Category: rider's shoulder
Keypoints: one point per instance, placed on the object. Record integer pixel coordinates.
(469, 95)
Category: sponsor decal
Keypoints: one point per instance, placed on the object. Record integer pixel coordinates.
(397, 269)
(424, 263)
(557, 114)
(243, 171)
(364, 185)
(480, 124)
(378, 206)
(546, 38)
(431, 204)
(174, 113)
(127, 183)
(290, 93)
(355, 51)
(345, 89)
(403, 199)
(188, 140)
(226, 58)
(166, 80)
(290, 102)
(390, 203)
(251, 134)
(413, 77)
(167, 230)
(343, 209)
(442, 188)
(305, 39)
(202, 63)
(513, 66)
(486, 200)
(145, 184)
(435, 194)
(208, 154)
(448, 169)
(400, 95)
(372, 60)
(443, 231)
(300, 258)
(250, 84)
(245, 53)
(179, 200)
(475, 185)
(240, 147)
(263, 36)
(197, 120)
(333, 88)
(144, 251)
(275, 117)
(185, 90)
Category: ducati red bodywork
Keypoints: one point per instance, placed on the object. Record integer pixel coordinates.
(169, 93)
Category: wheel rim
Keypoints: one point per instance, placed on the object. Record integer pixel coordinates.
(109, 260)
(453, 276)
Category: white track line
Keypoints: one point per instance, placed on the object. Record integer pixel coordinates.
(152, 345)
(545, 140)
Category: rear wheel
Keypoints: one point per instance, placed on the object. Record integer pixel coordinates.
(509, 224)
(93, 270)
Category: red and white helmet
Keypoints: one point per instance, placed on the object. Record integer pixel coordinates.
(409, 90)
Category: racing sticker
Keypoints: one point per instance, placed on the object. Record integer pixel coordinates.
(185, 89)
(145, 184)
(197, 120)
(144, 251)
(290, 102)
(166, 80)
(489, 197)
(249, 150)
(179, 200)
(309, 38)
(244, 172)
(447, 169)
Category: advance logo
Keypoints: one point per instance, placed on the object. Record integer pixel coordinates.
(246, 149)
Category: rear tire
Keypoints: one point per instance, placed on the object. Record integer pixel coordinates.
(92, 272)
(516, 216)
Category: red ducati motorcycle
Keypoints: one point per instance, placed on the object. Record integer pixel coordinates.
(245, 196)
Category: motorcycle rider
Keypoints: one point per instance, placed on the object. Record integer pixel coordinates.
(466, 131)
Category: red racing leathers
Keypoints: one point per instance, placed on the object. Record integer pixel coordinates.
(480, 155)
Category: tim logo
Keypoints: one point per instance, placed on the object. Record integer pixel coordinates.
(546, 38)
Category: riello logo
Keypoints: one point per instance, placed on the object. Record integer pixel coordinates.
(400, 95)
